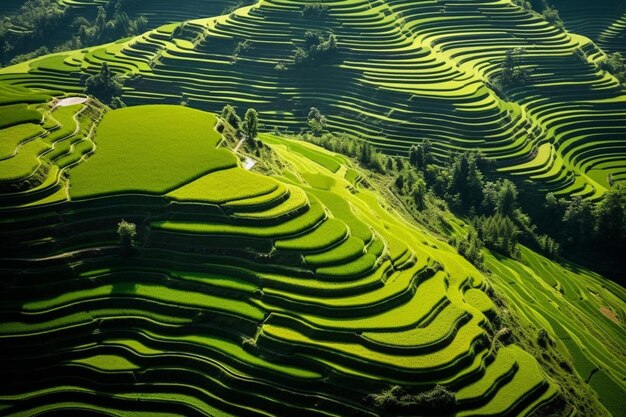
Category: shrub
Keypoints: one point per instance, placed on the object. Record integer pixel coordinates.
(250, 124)
(127, 232)
(397, 400)
(551, 14)
(315, 10)
(499, 233)
(316, 49)
(241, 47)
(280, 66)
(316, 121)
(470, 248)
(229, 115)
(614, 65)
(104, 85)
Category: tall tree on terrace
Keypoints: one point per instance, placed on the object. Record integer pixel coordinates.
(250, 124)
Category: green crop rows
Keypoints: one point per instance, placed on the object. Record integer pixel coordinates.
(210, 324)
(295, 294)
(437, 88)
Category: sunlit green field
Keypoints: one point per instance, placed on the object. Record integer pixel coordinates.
(300, 286)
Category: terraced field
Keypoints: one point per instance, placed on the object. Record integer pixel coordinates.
(160, 12)
(250, 295)
(404, 72)
(583, 311)
(303, 291)
(603, 21)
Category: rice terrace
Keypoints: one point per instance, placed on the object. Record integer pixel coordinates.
(313, 208)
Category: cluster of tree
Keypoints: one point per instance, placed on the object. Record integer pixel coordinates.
(127, 232)
(584, 225)
(317, 48)
(498, 232)
(471, 249)
(240, 48)
(343, 143)
(106, 86)
(398, 400)
(551, 14)
(545, 9)
(498, 215)
(351, 146)
(512, 73)
(230, 9)
(315, 10)
(614, 65)
(111, 23)
(490, 206)
(316, 121)
(248, 127)
(44, 26)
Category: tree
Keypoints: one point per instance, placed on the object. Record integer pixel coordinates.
(512, 73)
(507, 198)
(579, 221)
(490, 197)
(419, 193)
(315, 10)
(316, 48)
(416, 157)
(466, 181)
(428, 152)
(229, 115)
(127, 232)
(400, 183)
(104, 85)
(316, 121)
(551, 14)
(250, 124)
(614, 65)
(366, 153)
(474, 194)
(611, 218)
(498, 233)
(117, 103)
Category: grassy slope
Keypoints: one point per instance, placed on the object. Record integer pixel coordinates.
(395, 304)
(139, 150)
(567, 301)
(404, 69)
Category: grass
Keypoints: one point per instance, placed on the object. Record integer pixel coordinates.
(25, 163)
(152, 150)
(16, 114)
(352, 289)
(351, 297)
(12, 137)
(327, 234)
(153, 292)
(108, 363)
(352, 246)
(218, 187)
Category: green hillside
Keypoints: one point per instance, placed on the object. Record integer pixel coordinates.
(160, 259)
(301, 292)
(402, 71)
